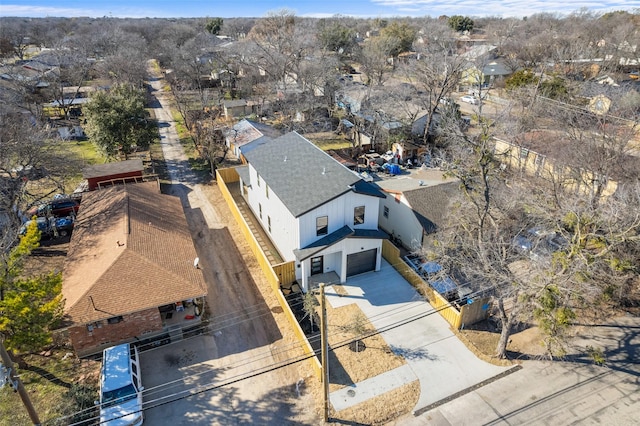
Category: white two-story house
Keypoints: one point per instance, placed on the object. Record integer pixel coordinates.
(317, 212)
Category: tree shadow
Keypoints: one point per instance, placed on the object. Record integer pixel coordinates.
(414, 353)
(615, 345)
(44, 374)
(220, 400)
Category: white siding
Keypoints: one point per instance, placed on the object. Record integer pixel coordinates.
(284, 229)
(340, 213)
(289, 233)
(335, 258)
(402, 222)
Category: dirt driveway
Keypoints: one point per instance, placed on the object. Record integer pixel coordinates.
(247, 332)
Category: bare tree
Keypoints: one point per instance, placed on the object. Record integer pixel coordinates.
(374, 58)
(435, 73)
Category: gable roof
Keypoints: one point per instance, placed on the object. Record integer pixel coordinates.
(131, 250)
(302, 175)
(430, 204)
(108, 169)
(335, 237)
(246, 131)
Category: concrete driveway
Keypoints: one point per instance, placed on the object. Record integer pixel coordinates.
(574, 391)
(414, 330)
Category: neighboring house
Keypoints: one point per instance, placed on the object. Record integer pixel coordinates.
(317, 213)
(484, 74)
(419, 124)
(479, 50)
(415, 206)
(56, 108)
(546, 154)
(109, 173)
(129, 273)
(246, 133)
(351, 96)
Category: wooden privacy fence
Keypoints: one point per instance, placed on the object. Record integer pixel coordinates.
(467, 315)
(275, 275)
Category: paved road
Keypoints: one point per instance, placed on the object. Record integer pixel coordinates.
(558, 393)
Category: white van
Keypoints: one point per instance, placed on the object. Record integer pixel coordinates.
(120, 387)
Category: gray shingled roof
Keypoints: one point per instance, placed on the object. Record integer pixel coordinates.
(301, 174)
(431, 204)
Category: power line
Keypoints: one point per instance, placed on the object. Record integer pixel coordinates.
(263, 370)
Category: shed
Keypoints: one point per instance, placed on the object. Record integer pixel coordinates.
(109, 173)
(236, 108)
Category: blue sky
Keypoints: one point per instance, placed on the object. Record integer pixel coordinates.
(312, 8)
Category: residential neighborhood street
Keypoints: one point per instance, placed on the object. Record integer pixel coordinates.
(265, 215)
(243, 336)
(558, 392)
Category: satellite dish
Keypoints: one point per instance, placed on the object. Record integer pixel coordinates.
(196, 263)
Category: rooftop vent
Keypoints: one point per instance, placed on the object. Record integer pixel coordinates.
(421, 182)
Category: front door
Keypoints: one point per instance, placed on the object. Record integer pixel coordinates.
(316, 265)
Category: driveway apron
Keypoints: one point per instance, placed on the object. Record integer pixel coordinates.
(414, 330)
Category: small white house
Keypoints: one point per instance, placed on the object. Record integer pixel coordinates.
(318, 213)
(415, 206)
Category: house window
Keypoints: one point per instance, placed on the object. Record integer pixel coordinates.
(269, 223)
(266, 190)
(258, 180)
(358, 215)
(260, 210)
(385, 212)
(322, 225)
(114, 320)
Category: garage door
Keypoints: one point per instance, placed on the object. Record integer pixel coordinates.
(359, 263)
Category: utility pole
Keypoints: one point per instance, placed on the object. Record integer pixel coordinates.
(16, 384)
(324, 353)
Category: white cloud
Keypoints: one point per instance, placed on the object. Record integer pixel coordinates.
(41, 11)
(70, 12)
(501, 8)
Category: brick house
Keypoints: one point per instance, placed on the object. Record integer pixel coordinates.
(129, 274)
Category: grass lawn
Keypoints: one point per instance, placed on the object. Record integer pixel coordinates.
(84, 151)
(328, 140)
(58, 384)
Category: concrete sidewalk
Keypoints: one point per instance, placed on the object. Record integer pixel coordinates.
(412, 329)
(382, 383)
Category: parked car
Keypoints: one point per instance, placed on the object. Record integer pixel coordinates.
(470, 99)
(58, 207)
(120, 387)
(538, 243)
(51, 227)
